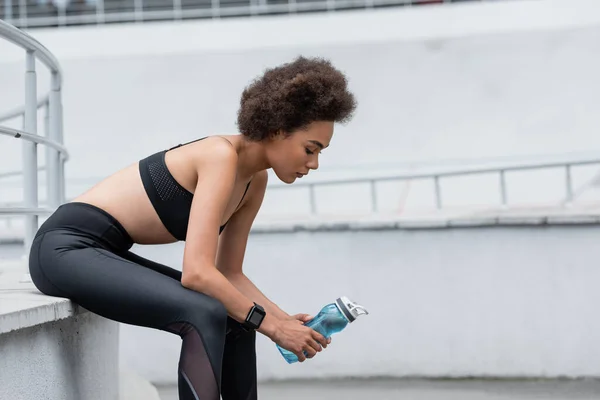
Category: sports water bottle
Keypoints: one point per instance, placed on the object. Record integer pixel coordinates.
(331, 319)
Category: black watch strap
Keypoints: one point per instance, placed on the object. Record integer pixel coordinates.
(254, 318)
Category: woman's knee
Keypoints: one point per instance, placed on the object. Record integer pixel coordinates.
(206, 311)
(216, 311)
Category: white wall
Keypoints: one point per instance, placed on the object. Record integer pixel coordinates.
(496, 79)
(499, 301)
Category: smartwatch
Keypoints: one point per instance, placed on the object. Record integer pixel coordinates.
(254, 318)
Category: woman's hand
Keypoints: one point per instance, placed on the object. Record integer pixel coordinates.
(292, 335)
(304, 318)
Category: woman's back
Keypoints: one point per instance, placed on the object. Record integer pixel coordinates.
(124, 195)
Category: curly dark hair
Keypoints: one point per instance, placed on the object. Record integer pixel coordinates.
(291, 96)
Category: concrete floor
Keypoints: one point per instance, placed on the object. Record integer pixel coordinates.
(423, 390)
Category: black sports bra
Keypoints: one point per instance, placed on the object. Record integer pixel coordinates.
(171, 201)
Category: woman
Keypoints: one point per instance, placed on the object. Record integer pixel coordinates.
(206, 193)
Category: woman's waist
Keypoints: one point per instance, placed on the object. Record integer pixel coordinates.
(88, 220)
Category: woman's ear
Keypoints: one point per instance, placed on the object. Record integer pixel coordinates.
(280, 134)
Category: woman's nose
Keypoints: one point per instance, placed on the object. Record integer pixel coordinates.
(313, 163)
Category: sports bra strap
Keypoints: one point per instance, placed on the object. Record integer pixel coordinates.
(183, 144)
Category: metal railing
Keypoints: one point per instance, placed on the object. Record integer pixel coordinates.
(56, 153)
(43, 13)
(437, 176)
(373, 184)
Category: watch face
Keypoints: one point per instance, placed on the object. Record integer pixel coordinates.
(255, 318)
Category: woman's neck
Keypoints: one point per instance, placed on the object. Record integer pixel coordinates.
(252, 156)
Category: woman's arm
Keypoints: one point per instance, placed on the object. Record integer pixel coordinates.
(232, 246)
(247, 287)
(216, 166)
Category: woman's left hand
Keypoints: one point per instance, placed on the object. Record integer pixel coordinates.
(304, 318)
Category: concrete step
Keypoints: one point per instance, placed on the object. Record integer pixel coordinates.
(134, 387)
(415, 389)
(22, 306)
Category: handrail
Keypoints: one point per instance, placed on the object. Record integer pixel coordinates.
(17, 112)
(35, 139)
(25, 210)
(19, 173)
(173, 10)
(56, 153)
(447, 173)
(570, 193)
(436, 175)
(27, 42)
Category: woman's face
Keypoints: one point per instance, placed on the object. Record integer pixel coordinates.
(293, 156)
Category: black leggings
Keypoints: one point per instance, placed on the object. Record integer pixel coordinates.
(82, 253)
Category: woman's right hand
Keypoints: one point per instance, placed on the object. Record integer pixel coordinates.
(292, 335)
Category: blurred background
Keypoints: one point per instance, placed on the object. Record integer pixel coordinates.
(460, 206)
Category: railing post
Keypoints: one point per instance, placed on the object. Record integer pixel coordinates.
(330, 5)
(22, 14)
(438, 195)
(138, 10)
(8, 11)
(292, 8)
(177, 10)
(373, 196)
(99, 11)
(313, 201)
(253, 7)
(503, 187)
(53, 162)
(30, 184)
(62, 15)
(60, 138)
(215, 8)
(569, 184)
(47, 118)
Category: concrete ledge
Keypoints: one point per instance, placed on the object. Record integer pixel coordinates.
(580, 214)
(23, 306)
(54, 349)
(132, 386)
(446, 218)
(525, 216)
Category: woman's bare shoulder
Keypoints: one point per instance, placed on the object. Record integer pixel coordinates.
(212, 155)
(213, 149)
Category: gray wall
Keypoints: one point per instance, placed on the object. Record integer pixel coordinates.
(503, 301)
(70, 359)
